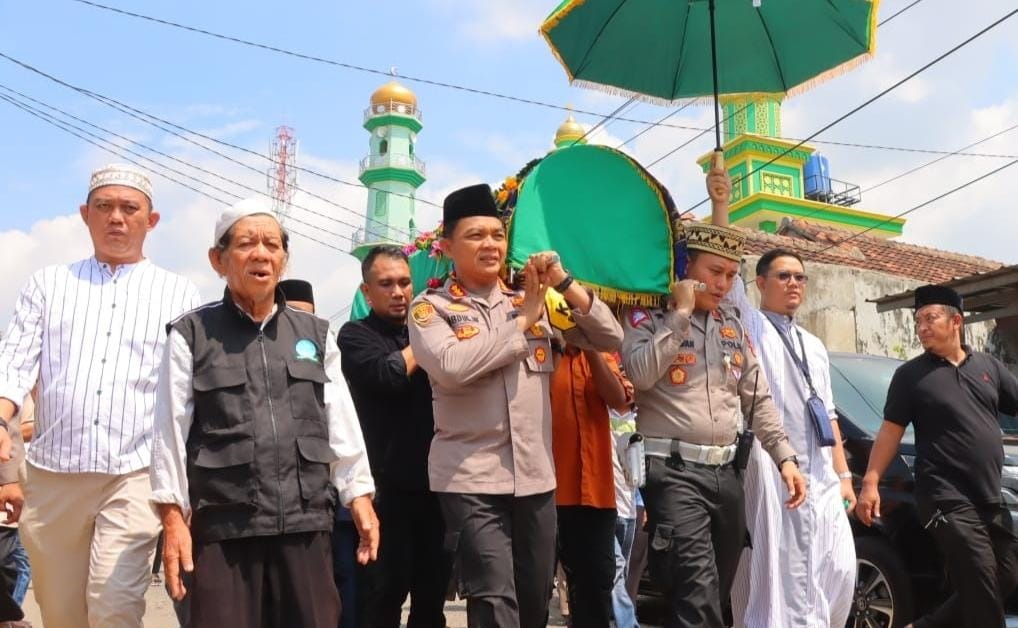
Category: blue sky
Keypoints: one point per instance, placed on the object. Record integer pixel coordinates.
(240, 95)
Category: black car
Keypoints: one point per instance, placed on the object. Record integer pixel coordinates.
(900, 572)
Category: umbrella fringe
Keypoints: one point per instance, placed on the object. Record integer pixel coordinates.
(833, 73)
(553, 20)
(628, 93)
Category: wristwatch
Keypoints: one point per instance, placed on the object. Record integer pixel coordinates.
(564, 285)
(793, 459)
(845, 475)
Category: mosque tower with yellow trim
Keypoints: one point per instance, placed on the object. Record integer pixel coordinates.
(392, 171)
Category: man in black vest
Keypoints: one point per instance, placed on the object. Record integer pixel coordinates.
(253, 422)
(393, 399)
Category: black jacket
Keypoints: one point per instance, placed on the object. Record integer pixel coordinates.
(395, 410)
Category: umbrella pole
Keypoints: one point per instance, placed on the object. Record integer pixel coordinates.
(718, 158)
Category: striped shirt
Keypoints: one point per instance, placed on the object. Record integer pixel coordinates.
(93, 337)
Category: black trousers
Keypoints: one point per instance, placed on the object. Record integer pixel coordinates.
(411, 561)
(697, 524)
(9, 609)
(505, 554)
(265, 582)
(981, 553)
(586, 543)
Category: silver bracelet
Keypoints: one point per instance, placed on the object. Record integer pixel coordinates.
(845, 475)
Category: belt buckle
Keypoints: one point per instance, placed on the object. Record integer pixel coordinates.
(715, 456)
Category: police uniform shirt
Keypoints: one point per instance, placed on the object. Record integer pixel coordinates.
(693, 376)
(954, 410)
(491, 386)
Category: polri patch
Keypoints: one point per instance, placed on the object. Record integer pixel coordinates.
(728, 332)
(637, 316)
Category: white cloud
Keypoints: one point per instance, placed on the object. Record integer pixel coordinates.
(496, 21)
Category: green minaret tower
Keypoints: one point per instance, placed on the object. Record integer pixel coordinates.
(776, 178)
(391, 171)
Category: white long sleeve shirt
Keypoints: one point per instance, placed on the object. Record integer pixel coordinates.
(93, 338)
(174, 414)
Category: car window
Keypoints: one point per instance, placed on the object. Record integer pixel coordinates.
(859, 384)
(1009, 424)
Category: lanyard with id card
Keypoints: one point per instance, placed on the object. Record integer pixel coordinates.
(816, 410)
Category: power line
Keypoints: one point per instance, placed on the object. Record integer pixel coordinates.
(693, 139)
(189, 164)
(920, 206)
(358, 68)
(657, 123)
(939, 159)
(900, 11)
(104, 144)
(173, 170)
(859, 108)
(147, 118)
(603, 122)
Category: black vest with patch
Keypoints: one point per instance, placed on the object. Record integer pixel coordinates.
(258, 450)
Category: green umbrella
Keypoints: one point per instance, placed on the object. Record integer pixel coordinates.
(666, 51)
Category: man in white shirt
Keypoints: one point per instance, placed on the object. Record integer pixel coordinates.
(92, 333)
(800, 570)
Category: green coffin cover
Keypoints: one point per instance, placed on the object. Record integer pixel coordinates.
(607, 218)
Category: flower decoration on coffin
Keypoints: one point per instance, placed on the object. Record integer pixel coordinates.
(507, 194)
(429, 241)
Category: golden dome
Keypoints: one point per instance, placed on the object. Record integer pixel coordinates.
(393, 92)
(569, 131)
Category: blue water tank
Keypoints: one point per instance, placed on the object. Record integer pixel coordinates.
(817, 174)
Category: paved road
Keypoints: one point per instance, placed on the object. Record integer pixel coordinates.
(159, 611)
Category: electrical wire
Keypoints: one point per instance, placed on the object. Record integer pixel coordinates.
(148, 117)
(123, 153)
(870, 101)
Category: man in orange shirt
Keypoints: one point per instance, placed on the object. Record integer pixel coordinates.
(583, 385)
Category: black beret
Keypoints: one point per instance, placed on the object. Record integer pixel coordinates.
(297, 290)
(473, 200)
(937, 295)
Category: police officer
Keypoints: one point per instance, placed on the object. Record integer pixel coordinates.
(488, 352)
(952, 395)
(694, 370)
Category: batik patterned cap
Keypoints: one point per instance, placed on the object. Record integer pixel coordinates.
(724, 241)
(121, 174)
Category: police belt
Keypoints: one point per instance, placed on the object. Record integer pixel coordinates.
(710, 455)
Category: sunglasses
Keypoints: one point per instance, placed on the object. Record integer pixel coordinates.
(786, 276)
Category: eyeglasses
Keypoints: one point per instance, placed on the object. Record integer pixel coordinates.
(786, 276)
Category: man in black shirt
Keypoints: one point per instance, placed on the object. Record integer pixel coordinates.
(393, 399)
(952, 396)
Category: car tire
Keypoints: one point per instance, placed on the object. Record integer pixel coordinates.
(883, 589)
